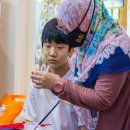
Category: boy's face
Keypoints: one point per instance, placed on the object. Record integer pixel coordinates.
(56, 54)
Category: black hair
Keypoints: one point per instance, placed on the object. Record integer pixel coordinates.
(51, 33)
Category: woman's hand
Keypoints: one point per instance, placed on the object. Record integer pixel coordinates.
(44, 79)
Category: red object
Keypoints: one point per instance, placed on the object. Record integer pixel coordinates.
(43, 125)
(18, 125)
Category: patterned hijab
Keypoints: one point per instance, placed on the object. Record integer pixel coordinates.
(107, 46)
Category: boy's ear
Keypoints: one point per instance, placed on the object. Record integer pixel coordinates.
(71, 52)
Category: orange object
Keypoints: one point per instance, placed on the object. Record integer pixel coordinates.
(12, 107)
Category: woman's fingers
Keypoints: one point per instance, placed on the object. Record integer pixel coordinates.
(37, 72)
(37, 82)
(44, 79)
(36, 77)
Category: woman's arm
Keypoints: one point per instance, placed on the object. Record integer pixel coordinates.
(103, 95)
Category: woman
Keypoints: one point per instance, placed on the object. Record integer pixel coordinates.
(101, 64)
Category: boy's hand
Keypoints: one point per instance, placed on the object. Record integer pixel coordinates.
(44, 79)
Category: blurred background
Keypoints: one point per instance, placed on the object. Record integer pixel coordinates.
(21, 22)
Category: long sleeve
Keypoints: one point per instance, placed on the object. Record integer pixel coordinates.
(104, 94)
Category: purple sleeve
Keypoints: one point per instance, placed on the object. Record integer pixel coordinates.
(104, 94)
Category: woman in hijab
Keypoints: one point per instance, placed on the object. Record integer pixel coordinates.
(100, 64)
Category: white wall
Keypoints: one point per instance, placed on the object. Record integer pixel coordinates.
(17, 43)
(26, 42)
(7, 45)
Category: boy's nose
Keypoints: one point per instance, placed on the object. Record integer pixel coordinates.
(52, 51)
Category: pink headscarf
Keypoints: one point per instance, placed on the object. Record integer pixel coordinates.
(72, 12)
(85, 57)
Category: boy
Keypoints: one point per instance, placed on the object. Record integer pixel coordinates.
(40, 101)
